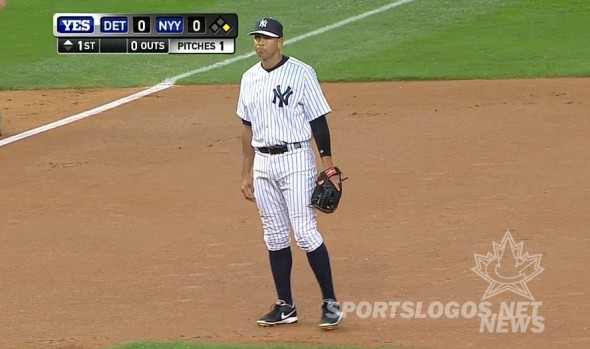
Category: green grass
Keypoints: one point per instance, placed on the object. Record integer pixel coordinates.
(530, 38)
(31, 61)
(425, 39)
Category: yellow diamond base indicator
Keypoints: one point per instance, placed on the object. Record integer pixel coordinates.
(226, 27)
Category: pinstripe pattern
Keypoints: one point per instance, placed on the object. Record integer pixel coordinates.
(272, 125)
(283, 183)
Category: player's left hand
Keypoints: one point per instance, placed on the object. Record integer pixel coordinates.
(336, 181)
(332, 170)
(328, 190)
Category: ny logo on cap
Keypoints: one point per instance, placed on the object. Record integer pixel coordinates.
(262, 23)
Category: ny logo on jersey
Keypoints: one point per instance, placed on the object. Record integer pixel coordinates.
(262, 23)
(283, 97)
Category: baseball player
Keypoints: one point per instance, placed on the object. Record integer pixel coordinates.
(282, 107)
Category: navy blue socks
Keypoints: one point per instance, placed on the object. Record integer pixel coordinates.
(319, 260)
(281, 262)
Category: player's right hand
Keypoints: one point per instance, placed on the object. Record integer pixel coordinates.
(248, 188)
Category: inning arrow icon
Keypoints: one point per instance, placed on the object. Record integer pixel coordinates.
(68, 45)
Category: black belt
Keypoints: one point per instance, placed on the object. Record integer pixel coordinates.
(278, 149)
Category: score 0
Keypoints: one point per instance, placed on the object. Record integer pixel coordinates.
(196, 25)
(141, 25)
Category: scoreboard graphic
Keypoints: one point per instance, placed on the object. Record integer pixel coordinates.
(95, 33)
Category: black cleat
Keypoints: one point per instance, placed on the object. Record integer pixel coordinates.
(331, 315)
(281, 313)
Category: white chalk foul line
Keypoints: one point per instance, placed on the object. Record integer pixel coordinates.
(169, 82)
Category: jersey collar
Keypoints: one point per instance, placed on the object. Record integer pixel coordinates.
(283, 61)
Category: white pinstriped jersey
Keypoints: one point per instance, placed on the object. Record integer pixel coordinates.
(281, 103)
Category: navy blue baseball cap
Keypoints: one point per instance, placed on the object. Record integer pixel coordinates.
(268, 26)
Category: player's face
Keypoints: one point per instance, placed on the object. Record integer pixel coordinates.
(267, 46)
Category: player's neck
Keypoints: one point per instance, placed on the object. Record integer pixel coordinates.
(273, 61)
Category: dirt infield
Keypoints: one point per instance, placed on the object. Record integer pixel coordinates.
(130, 225)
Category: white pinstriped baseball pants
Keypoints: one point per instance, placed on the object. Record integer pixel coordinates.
(283, 184)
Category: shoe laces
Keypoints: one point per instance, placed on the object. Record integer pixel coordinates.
(328, 301)
(280, 303)
(331, 306)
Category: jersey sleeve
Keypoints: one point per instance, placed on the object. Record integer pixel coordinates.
(314, 101)
(242, 111)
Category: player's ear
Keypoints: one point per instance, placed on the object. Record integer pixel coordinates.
(280, 43)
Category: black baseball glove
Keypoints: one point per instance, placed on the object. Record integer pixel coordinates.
(326, 196)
